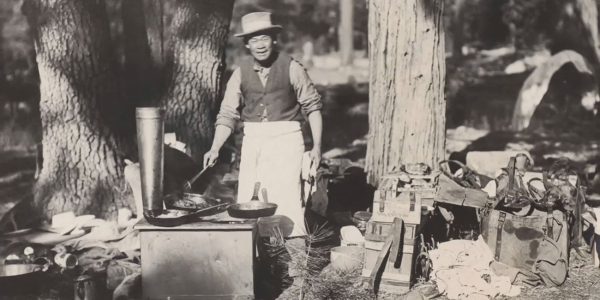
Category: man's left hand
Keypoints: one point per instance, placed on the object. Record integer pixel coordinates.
(315, 156)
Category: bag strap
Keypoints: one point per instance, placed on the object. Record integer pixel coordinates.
(467, 179)
(456, 162)
(549, 224)
(501, 219)
(534, 192)
(511, 174)
(577, 239)
(547, 184)
(445, 167)
(550, 221)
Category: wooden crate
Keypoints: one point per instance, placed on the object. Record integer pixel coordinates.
(393, 280)
(198, 261)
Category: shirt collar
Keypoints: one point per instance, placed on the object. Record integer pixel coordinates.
(258, 68)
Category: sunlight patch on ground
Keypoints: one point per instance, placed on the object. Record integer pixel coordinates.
(459, 138)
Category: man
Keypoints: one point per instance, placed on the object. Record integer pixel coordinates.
(270, 92)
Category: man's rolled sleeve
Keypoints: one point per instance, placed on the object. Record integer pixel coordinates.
(306, 92)
(228, 113)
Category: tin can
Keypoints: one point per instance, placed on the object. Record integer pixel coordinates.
(85, 288)
(66, 260)
(360, 219)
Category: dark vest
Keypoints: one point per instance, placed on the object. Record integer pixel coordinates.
(277, 95)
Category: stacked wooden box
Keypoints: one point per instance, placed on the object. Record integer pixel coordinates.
(397, 199)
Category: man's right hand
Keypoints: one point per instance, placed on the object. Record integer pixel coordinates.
(210, 157)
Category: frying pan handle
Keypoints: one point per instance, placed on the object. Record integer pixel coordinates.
(264, 194)
(256, 189)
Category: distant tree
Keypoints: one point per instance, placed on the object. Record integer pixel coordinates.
(556, 24)
(407, 109)
(587, 10)
(457, 23)
(346, 32)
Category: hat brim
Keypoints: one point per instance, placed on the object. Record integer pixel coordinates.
(276, 28)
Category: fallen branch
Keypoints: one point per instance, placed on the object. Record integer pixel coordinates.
(536, 85)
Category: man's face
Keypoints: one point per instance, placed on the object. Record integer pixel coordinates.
(260, 46)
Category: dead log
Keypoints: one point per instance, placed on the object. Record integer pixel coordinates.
(536, 86)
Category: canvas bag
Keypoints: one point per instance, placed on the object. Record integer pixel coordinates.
(464, 190)
(535, 246)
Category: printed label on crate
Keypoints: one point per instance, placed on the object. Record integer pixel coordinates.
(405, 205)
(379, 231)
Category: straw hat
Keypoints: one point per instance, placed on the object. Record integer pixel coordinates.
(256, 22)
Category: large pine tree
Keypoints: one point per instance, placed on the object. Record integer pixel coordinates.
(407, 109)
(87, 96)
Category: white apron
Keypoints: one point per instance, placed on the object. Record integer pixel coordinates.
(272, 155)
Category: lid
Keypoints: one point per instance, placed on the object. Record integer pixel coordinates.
(149, 112)
(362, 215)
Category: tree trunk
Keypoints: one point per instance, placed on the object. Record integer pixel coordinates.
(346, 32)
(199, 34)
(407, 71)
(81, 170)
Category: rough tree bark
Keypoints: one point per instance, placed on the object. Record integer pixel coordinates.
(407, 72)
(81, 169)
(195, 60)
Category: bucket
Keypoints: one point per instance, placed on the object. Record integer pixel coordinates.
(150, 139)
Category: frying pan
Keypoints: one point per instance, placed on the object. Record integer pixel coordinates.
(253, 209)
(190, 201)
(184, 217)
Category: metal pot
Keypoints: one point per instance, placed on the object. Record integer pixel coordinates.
(253, 209)
(21, 277)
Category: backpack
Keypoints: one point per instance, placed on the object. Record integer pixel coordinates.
(533, 249)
